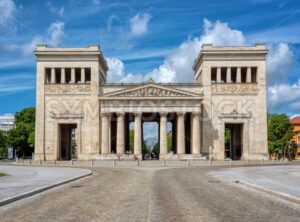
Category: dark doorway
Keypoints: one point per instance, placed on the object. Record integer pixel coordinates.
(233, 141)
(68, 146)
(187, 129)
(113, 133)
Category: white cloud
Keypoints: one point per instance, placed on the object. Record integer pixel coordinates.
(177, 67)
(26, 49)
(7, 9)
(30, 47)
(56, 34)
(294, 115)
(279, 62)
(139, 24)
(56, 10)
(220, 34)
(54, 39)
(284, 94)
(116, 72)
(280, 92)
(295, 106)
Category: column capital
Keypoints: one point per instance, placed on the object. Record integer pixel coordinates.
(137, 113)
(120, 113)
(163, 113)
(180, 113)
(105, 114)
(196, 113)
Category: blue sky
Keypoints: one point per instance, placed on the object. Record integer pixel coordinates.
(142, 39)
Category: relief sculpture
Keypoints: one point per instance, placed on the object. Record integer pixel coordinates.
(67, 89)
(150, 91)
(234, 89)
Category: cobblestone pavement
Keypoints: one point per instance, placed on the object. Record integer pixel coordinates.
(280, 179)
(22, 180)
(151, 194)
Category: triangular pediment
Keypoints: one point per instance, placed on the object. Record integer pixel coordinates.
(151, 90)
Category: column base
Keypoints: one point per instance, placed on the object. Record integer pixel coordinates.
(39, 156)
(118, 157)
(171, 156)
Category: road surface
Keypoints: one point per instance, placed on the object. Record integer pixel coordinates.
(151, 194)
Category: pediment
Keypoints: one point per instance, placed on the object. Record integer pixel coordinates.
(152, 90)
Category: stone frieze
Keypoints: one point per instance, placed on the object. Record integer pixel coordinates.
(234, 89)
(150, 91)
(68, 89)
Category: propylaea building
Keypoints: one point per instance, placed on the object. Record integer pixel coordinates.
(222, 114)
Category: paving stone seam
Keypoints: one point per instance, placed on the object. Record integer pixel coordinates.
(269, 191)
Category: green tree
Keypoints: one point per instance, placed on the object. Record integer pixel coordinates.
(227, 138)
(131, 140)
(169, 142)
(3, 144)
(280, 131)
(155, 149)
(144, 148)
(22, 136)
(131, 143)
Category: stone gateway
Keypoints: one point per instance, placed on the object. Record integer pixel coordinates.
(221, 115)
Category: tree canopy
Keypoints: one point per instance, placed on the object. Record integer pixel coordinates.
(169, 145)
(3, 143)
(280, 131)
(131, 143)
(22, 136)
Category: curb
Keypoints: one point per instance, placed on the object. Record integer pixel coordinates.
(271, 192)
(40, 190)
(168, 163)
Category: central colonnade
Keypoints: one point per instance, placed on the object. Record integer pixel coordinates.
(186, 131)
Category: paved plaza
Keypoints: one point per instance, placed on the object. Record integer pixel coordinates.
(23, 180)
(151, 194)
(283, 180)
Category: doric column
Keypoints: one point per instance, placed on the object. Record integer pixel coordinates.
(82, 79)
(163, 140)
(180, 134)
(218, 74)
(72, 75)
(63, 76)
(120, 134)
(196, 133)
(109, 135)
(238, 75)
(53, 76)
(105, 133)
(138, 133)
(248, 75)
(228, 75)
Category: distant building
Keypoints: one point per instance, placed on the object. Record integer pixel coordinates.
(296, 138)
(7, 122)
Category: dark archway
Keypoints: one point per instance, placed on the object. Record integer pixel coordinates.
(68, 146)
(233, 141)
